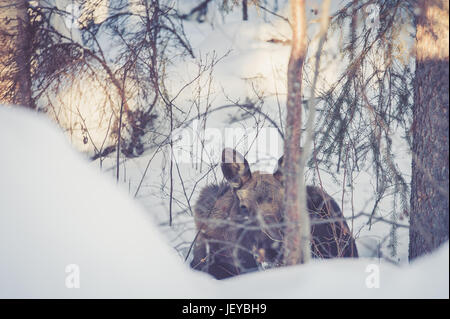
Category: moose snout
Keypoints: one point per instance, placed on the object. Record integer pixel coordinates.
(243, 210)
(243, 213)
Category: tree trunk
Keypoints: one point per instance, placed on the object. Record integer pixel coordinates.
(297, 234)
(15, 53)
(23, 56)
(430, 166)
(244, 10)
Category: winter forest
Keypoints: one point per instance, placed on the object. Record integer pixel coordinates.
(224, 149)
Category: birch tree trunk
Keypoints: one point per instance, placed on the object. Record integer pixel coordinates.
(297, 233)
(430, 161)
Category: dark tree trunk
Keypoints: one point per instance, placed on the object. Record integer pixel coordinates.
(430, 162)
(244, 10)
(23, 55)
(15, 53)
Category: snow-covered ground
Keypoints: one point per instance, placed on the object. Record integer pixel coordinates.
(67, 231)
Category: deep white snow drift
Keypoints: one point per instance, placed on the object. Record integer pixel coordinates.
(64, 225)
(55, 211)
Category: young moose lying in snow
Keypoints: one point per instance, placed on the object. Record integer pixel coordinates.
(240, 222)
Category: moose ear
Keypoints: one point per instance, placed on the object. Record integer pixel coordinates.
(235, 167)
(278, 174)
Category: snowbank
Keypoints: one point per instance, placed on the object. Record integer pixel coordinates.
(56, 212)
(363, 278)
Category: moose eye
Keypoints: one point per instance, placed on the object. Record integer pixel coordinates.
(260, 199)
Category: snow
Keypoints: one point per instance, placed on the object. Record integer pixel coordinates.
(427, 278)
(56, 211)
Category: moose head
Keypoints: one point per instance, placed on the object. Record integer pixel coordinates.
(241, 222)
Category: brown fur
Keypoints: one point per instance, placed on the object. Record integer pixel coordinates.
(240, 223)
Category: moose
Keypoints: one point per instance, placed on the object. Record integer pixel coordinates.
(240, 221)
